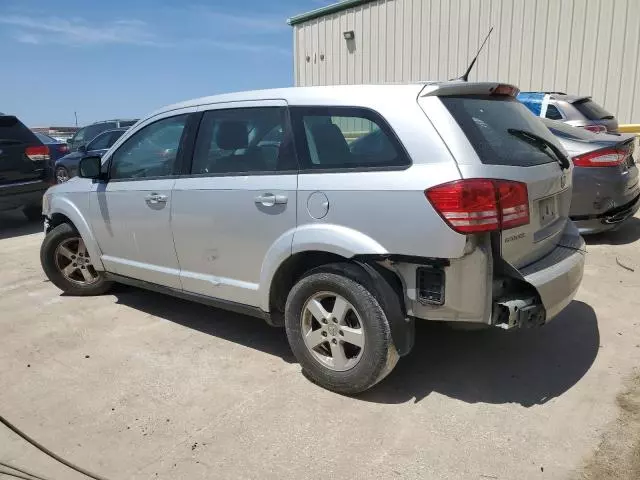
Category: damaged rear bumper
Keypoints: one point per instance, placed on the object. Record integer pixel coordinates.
(473, 293)
(557, 276)
(609, 220)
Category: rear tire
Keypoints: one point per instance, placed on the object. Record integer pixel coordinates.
(67, 264)
(338, 332)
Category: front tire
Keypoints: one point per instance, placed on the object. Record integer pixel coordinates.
(67, 264)
(338, 332)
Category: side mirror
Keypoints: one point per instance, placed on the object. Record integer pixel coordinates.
(82, 148)
(89, 167)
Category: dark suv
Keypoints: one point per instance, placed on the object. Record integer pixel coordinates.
(24, 167)
(89, 132)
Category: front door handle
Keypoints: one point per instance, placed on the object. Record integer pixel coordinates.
(269, 199)
(155, 198)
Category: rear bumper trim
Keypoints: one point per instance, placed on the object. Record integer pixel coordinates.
(615, 215)
(557, 276)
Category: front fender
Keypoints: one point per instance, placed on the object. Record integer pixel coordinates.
(64, 206)
(336, 239)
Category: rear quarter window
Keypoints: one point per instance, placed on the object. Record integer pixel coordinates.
(486, 121)
(553, 113)
(343, 138)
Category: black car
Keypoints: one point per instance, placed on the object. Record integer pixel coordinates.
(67, 166)
(25, 172)
(89, 132)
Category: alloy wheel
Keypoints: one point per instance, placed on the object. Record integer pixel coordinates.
(73, 261)
(333, 331)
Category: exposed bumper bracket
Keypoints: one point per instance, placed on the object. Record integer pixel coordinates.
(510, 313)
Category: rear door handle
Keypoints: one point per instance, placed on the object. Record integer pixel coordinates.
(269, 199)
(155, 198)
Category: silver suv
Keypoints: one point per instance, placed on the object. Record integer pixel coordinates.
(341, 213)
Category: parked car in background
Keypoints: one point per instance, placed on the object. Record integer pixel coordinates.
(67, 166)
(57, 148)
(576, 110)
(260, 206)
(25, 171)
(89, 132)
(606, 191)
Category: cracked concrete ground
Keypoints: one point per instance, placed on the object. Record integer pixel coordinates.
(134, 385)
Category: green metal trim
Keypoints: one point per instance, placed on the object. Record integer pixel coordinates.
(321, 12)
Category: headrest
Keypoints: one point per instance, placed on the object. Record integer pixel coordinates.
(232, 135)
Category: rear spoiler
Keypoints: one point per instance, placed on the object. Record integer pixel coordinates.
(580, 99)
(8, 120)
(457, 88)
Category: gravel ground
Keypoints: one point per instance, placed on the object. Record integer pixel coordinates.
(134, 385)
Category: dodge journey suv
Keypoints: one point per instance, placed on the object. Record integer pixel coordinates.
(343, 214)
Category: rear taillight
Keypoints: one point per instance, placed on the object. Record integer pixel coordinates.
(37, 153)
(609, 157)
(481, 205)
(595, 128)
(63, 148)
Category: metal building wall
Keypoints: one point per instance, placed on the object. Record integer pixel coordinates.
(589, 47)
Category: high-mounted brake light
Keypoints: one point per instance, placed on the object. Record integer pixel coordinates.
(481, 205)
(609, 157)
(503, 89)
(595, 128)
(37, 153)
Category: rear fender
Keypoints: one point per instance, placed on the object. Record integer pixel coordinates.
(335, 239)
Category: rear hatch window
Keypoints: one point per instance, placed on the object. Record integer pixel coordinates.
(491, 124)
(592, 110)
(13, 131)
(514, 145)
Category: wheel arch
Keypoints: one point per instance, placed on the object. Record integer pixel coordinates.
(383, 284)
(64, 211)
(311, 245)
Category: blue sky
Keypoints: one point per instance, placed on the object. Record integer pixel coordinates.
(125, 58)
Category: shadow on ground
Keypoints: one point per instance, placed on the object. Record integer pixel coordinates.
(15, 224)
(628, 232)
(241, 329)
(528, 367)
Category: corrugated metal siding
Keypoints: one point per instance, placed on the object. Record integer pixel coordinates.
(589, 47)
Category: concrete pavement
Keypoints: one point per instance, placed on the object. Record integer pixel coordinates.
(135, 385)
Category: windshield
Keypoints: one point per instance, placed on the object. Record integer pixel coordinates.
(486, 121)
(592, 110)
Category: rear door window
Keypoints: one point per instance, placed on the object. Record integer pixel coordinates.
(487, 122)
(592, 110)
(553, 113)
(338, 138)
(243, 140)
